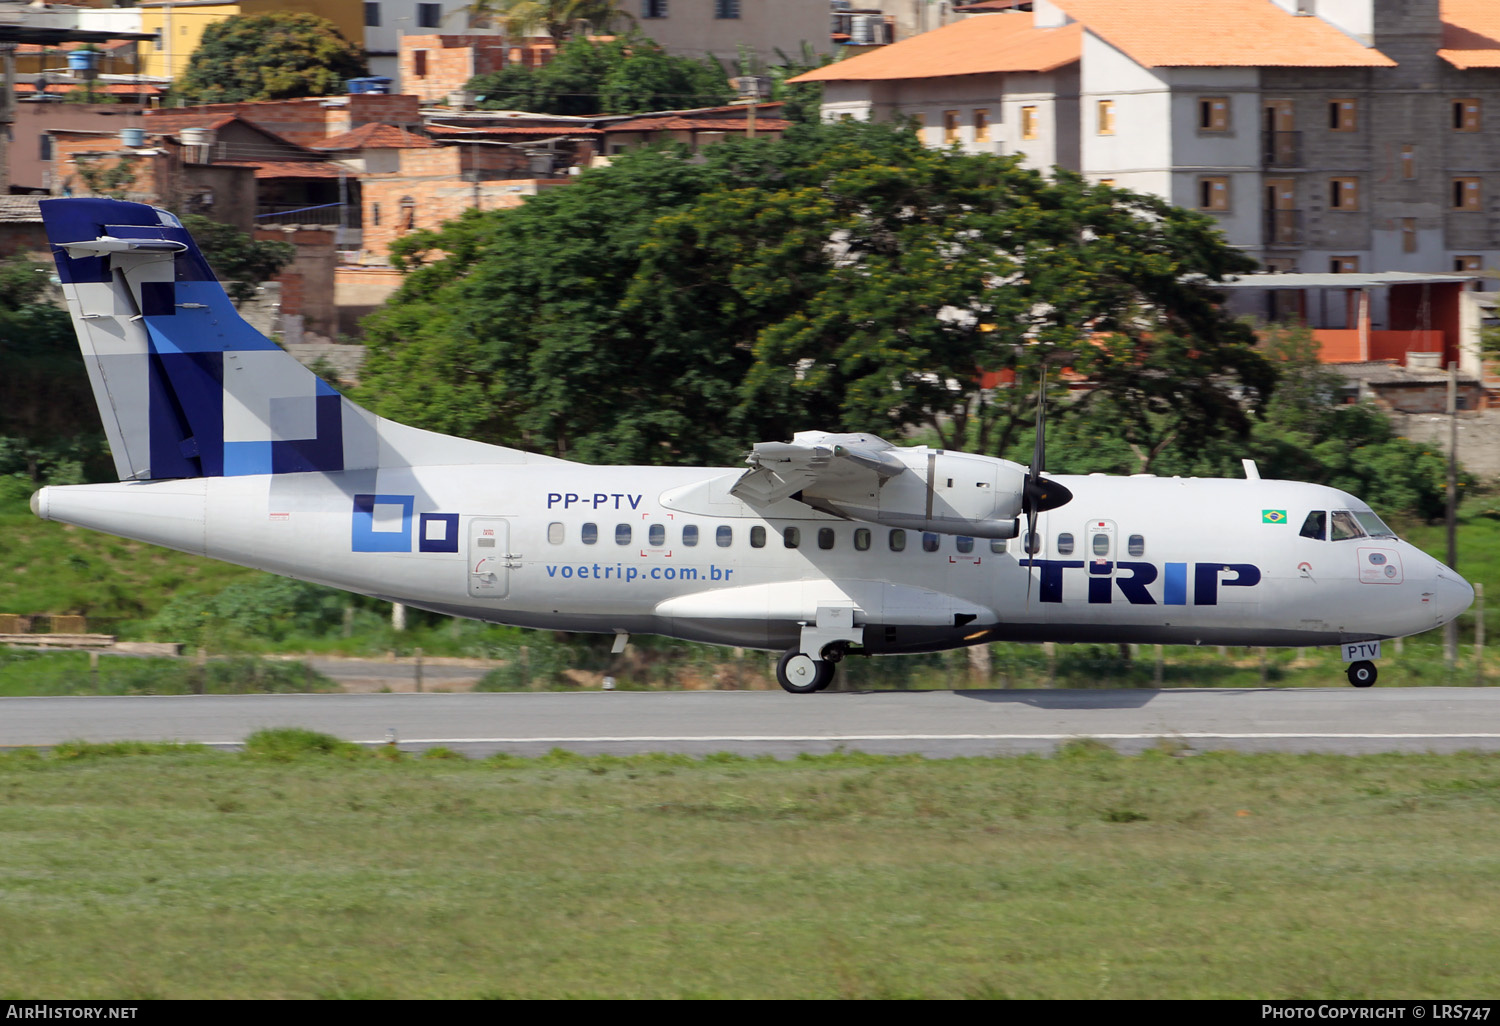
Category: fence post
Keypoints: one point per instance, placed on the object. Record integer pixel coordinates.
(1156, 673)
(419, 669)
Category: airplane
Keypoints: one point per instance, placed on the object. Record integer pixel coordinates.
(822, 547)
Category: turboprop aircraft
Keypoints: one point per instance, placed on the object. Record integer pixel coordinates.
(824, 546)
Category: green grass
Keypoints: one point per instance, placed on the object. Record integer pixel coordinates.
(154, 872)
(68, 673)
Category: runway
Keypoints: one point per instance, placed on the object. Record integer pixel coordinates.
(931, 723)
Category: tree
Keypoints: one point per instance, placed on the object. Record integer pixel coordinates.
(677, 308)
(557, 18)
(241, 261)
(273, 56)
(620, 76)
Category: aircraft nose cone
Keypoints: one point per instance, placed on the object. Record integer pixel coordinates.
(1453, 595)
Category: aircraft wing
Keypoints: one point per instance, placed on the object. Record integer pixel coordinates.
(842, 463)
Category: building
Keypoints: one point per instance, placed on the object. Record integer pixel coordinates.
(722, 28)
(1323, 135)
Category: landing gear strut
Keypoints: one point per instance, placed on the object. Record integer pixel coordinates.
(801, 674)
(1362, 674)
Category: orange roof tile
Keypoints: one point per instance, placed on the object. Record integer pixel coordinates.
(375, 136)
(982, 45)
(460, 131)
(1219, 33)
(1471, 33)
(112, 88)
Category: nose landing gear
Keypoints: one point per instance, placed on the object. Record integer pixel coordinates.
(1362, 674)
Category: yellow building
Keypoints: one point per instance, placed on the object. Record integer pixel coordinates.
(181, 24)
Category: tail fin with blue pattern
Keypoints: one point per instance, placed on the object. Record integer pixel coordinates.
(185, 386)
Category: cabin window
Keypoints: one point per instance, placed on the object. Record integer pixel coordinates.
(1101, 544)
(997, 545)
(791, 537)
(1033, 543)
(1315, 526)
(1136, 545)
(757, 537)
(964, 544)
(1065, 545)
(622, 534)
(898, 540)
(589, 533)
(690, 535)
(555, 533)
(825, 537)
(930, 541)
(861, 539)
(724, 537)
(657, 535)
(1344, 526)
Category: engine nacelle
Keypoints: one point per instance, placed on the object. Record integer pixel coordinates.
(933, 490)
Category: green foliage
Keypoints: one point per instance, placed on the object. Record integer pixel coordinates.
(616, 76)
(557, 18)
(27, 672)
(677, 308)
(275, 56)
(241, 261)
(263, 607)
(49, 425)
(112, 181)
(287, 744)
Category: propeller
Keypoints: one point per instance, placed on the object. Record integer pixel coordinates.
(1039, 493)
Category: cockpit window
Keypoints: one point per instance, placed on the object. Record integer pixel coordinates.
(1316, 525)
(1373, 525)
(1345, 526)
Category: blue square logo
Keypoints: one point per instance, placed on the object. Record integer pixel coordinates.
(382, 523)
(439, 532)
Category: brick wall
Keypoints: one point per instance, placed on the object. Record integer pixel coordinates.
(102, 152)
(431, 188)
(310, 120)
(307, 284)
(434, 66)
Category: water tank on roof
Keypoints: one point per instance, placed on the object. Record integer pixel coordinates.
(196, 136)
(133, 138)
(862, 30)
(370, 84)
(83, 62)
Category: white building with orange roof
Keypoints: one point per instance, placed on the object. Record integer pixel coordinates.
(1354, 135)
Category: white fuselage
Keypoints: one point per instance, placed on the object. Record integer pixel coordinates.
(669, 551)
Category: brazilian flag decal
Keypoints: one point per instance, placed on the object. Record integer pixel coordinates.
(1273, 516)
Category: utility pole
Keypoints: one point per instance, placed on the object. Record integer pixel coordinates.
(1450, 632)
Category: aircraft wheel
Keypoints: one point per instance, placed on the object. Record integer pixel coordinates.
(1362, 674)
(826, 669)
(801, 674)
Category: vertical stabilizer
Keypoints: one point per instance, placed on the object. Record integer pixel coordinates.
(186, 387)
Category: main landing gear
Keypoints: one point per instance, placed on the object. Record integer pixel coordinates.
(1362, 674)
(801, 674)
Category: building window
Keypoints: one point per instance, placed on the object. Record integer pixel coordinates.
(1213, 193)
(1408, 162)
(419, 63)
(1343, 115)
(1466, 194)
(653, 8)
(1343, 194)
(981, 125)
(950, 127)
(372, 15)
(726, 8)
(45, 140)
(1466, 115)
(1106, 117)
(1029, 124)
(375, 214)
(1464, 264)
(1343, 265)
(408, 219)
(1108, 183)
(429, 15)
(1213, 114)
(1408, 235)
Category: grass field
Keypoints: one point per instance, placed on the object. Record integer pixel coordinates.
(295, 873)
